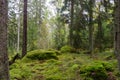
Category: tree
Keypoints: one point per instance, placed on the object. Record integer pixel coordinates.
(18, 28)
(76, 23)
(117, 31)
(24, 45)
(100, 29)
(91, 4)
(71, 24)
(4, 65)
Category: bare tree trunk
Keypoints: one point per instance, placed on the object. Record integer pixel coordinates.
(117, 32)
(38, 18)
(100, 33)
(91, 3)
(71, 24)
(18, 35)
(4, 65)
(24, 46)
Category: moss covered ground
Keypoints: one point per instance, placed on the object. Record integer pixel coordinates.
(55, 65)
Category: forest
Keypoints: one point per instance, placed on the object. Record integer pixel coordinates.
(59, 39)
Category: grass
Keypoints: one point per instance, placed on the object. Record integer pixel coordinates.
(67, 66)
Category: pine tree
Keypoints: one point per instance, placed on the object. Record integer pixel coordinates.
(4, 69)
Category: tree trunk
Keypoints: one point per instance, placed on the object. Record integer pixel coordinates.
(24, 46)
(91, 26)
(100, 33)
(99, 37)
(117, 32)
(18, 35)
(4, 65)
(71, 24)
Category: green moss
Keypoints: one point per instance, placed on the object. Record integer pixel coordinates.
(15, 74)
(41, 55)
(75, 67)
(19, 71)
(53, 78)
(107, 66)
(96, 70)
(68, 67)
(56, 51)
(68, 49)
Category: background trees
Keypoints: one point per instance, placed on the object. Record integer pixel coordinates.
(81, 24)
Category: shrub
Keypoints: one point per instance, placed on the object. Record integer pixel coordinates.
(96, 70)
(67, 49)
(41, 55)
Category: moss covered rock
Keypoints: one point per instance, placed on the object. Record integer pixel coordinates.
(67, 48)
(41, 55)
(96, 70)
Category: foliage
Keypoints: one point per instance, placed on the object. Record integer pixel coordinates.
(41, 55)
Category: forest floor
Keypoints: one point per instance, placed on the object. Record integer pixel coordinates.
(66, 66)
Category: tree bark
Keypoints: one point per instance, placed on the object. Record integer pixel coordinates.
(4, 64)
(18, 32)
(24, 46)
(71, 24)
(91, 3)
(100, 33)
(117, 32)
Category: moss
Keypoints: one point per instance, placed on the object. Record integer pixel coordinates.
(68, 67)
(68, 49)
(96, 71)
(107, 66)
(53, 78)
(15, 74)
(56, 51)
(75, 67)
(54, 62)
(41, 55)
(20, 72)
